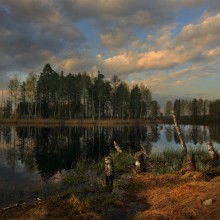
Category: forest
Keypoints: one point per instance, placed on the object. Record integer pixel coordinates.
(83, 96)
(75, 96)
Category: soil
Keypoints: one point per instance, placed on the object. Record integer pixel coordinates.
(148, 196)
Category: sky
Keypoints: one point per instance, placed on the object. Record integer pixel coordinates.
(171, 46)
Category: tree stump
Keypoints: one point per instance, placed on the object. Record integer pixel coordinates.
(109, 173)
(190, 163)
(213, 154)
(139, 162)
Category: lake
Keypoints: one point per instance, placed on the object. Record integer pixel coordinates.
(33, 157)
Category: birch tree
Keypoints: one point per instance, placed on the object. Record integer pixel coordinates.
(30, 89)
(14, 88)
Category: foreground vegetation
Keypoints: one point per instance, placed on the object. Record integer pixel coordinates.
(82, 194)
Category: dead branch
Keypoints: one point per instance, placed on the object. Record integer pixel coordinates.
(119, 150)
(12, 206)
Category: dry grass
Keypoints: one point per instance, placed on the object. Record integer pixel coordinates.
(173, 196)
(65, 207)
(149, 196)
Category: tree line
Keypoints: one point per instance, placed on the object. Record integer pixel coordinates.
(50, 94)
(195, 110)
(75, 96)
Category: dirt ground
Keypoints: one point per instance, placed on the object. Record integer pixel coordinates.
(149, 196)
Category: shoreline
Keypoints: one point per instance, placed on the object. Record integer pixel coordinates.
(81, 122)
(99, 122)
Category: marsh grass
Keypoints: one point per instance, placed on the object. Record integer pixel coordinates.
(88, 177)
(171, 160)
(123, 162)
(168, 160)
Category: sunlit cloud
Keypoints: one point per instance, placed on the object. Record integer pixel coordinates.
(190, 44)
(205, 33)
(182, 79)
(214, 52)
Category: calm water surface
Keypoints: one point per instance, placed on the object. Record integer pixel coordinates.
(32, 157)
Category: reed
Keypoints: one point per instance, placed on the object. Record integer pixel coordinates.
(170, 160)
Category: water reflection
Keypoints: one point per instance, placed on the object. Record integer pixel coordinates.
(48, 150)
(169, 133)
(214, 133)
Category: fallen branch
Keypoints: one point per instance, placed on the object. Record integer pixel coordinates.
(13, 206)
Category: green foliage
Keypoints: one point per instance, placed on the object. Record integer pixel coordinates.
(170, 159)
(168, 108)
(214, 109)
(135, 102)
(7, 109)
(123, 162)
(76, 96)
(14, 87)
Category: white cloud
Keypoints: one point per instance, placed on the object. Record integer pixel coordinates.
(214, 52)
(163, 59)
(205, 33)
(193, 44)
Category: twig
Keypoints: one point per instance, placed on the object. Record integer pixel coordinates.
(12, 206)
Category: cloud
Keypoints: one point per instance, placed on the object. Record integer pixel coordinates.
(176, 80)
(116, 38)
(202, 34)
(124, 63)
(194, 43)
(163, 59)
(47, 31)
(131, 61)
(41, 16)
(213, 53)
(122, 13)
(34, 33)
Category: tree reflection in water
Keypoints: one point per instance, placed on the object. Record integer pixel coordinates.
(49, 150)
(169, 133)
